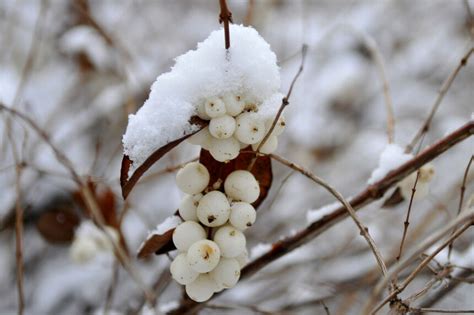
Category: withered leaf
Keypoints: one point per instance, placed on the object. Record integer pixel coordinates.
(394, 199)
(157, 243)
(58, 225)
(127, 183)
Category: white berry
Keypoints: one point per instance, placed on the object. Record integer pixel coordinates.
(186, 234)
(227, 273)
(83, 249)
(181, 271)
(279, 126)
(213, 209)
(188, 206)
(422, 186)
(193, 178)
(230, 240)
(215, 107)
(203, 256)
(201, 111)
(250, 128)
(234, 104)
(224, 150)
(243, 258)
(242, 186)
(268, 147)
(202, 138)
(242, 215)
(222, 127)
(201, 289)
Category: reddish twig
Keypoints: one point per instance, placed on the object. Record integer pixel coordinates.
(284, 102)
(225, 17)
(407, 219)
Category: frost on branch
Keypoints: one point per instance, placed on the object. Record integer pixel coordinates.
(248, 68)
(391, 157)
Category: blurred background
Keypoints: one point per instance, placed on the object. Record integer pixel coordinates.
(78, 68)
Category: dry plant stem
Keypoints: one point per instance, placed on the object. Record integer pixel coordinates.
(461, 199)
(415, 253)
(87, 195)
(407, 219)
(442, 92)
(443, 291)
(423, 264)
(284, 102)
(32, 52)
(111, 290)
(374, 50)
(225, 17)
(249, 15)
(19, 240)
(286, 99)
(18, 226)
(370, 194)
(364, 231)
(435, 310)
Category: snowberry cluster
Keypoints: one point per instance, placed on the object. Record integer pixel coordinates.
(234, 123)
(210, 241)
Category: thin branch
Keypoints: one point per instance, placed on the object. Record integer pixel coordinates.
(443, 291)
(436, 310)
(422, 265)
(461, 199)
(442, 92)
(18, 224)
(374, 50)
(284, 102)
(417, 252)
(111, 290)
(364, 231)
(407, 219)
(370, 194)
(249, 14)
(225, 17)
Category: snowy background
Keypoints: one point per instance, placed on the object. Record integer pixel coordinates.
(78, 69)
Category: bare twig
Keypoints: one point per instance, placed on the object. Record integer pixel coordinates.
(442, 291)
(364, 231)
(461, 198)
(374, 50)
(111, 290)
(425, 261)
(225, 17)
(407, 219)
(249, 15)
(18, 224)
(417, 252)
(284, 102)
(436, 310)
(442, 92)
